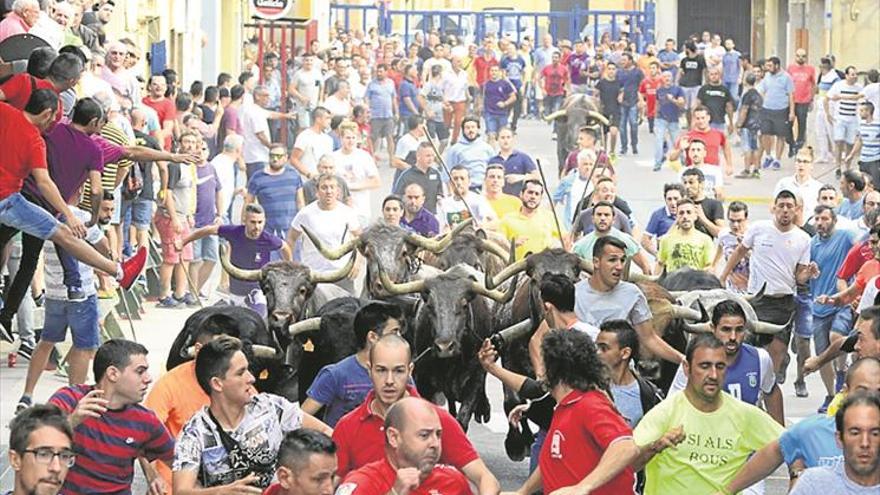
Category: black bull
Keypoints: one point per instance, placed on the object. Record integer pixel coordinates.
(577, 111)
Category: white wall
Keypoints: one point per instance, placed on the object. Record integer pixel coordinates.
(666, 20)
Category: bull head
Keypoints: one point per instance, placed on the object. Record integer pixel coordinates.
(418, 286)
(257, 275)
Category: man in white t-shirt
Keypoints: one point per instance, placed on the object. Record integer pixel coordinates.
(780, 259)
(358, 169)
(408, 145)
(311, 144)
(451, 210)
(306, 89)
(802, 181)
(255, 129)
(714, 184)
(226, 163)
(332, 222)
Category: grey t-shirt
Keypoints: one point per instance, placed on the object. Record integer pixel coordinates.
(624, 302)
(823, 480)
(628, 400)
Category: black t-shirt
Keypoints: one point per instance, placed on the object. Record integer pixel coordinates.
(715, 98)
(208, 114)
(713, 209)
(752, 102)
(692, 71)
(608, 92)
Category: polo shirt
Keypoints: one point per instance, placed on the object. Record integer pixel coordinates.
(660, 223)
(23, 150)
(516, 163)
(424, 223)
(107, 446)
(360, 436)
(584, 425)
(429, 180)
(495, 92)
(776, 88)
(378, 478)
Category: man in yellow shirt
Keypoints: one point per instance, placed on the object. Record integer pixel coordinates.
(684, 245)
(493, 186)
(531, 228)
(696, 440)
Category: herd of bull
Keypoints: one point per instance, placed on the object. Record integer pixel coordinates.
(455, 290)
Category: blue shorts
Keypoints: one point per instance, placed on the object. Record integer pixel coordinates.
(839, 322)
(82, 318)
(206, 249)
(21, 214)
(749, 139)
(494, 123)
(803, 316)
(141, 212)
(846, 130)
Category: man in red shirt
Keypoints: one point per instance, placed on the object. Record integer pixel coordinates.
(24, 154)
(163, 106)
(412, 451)
(359, 433)
(804, 77)
(648, 91)
(306, 464)
(554, 78)
(589, 447)
(715, 140)
(64, 73)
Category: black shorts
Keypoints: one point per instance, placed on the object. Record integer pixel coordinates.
(775, 123)
(777, 310)
(438, 130)
(613, 118)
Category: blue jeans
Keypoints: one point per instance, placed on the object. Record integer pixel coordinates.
(629, 117)
(536, 450)
(661, 127)
(733, 87)
(20, 214)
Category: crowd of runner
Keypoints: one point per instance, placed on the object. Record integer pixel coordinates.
(108, 162)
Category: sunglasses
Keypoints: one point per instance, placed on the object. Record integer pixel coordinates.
(277, 155)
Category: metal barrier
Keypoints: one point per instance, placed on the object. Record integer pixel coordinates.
(474, 26)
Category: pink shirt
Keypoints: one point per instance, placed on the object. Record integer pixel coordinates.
(803, 76)
(12, 25)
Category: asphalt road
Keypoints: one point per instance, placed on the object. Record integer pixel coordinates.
(638, 184)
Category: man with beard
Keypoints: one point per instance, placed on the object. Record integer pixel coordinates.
(713, 433)
(710, 212)
(232, 444)
(359, 434)
(780, 259)
(858, 431)
(81, 316)
(749, 376)
(110, 413)
(412, 452)
(471, 152)
(532, 228)
(37, 436)
(416, 217)
(685, 246)
(273, 187)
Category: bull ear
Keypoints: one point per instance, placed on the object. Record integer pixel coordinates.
(481, 234)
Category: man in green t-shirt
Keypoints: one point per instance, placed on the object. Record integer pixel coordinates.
(684, 245)
(695, 441)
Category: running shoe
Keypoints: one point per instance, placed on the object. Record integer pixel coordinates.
(767, 162)
(168, 302)
(823, 409)
(23, 403)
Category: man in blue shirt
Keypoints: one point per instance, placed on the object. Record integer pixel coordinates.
(810, 443)
(630, 77)
(663, 218)
(731, 69)
(777, 114)
(518, 166)
(409, 93)
(382, 100)
(514, 65)
(342, 386)
(275, 189)
(852, 187)
(670, 103)
(669, 58)
(828, 249)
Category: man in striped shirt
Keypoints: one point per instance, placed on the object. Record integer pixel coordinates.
(845, 120)
(867, 145)
(111, 428)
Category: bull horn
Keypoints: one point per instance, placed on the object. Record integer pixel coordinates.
(437, 245)
(234, 271)
(685, 313)
(335, 275)
(332, 253)
(765, 328)
(555, 115)
(516, 331)
(263, 351)
(598, 116)
(495, 249)
(757, 295)
(511, 270)
(586, 265)
(677, 293)
(698, 327)
(401, 288)
(306, 325)
(641, 277)
(498, 296)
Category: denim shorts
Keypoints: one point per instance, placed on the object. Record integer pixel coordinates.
(846, 130)
(839, 322)
(206, 249)
(21, 214)
(803, 316)
(494, 122)
(749, 139)
(82, 318)
(141, 212)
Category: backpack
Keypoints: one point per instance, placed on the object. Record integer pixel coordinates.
(134, 183)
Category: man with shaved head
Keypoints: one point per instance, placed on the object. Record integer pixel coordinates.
(360, 437)
(412, 451)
